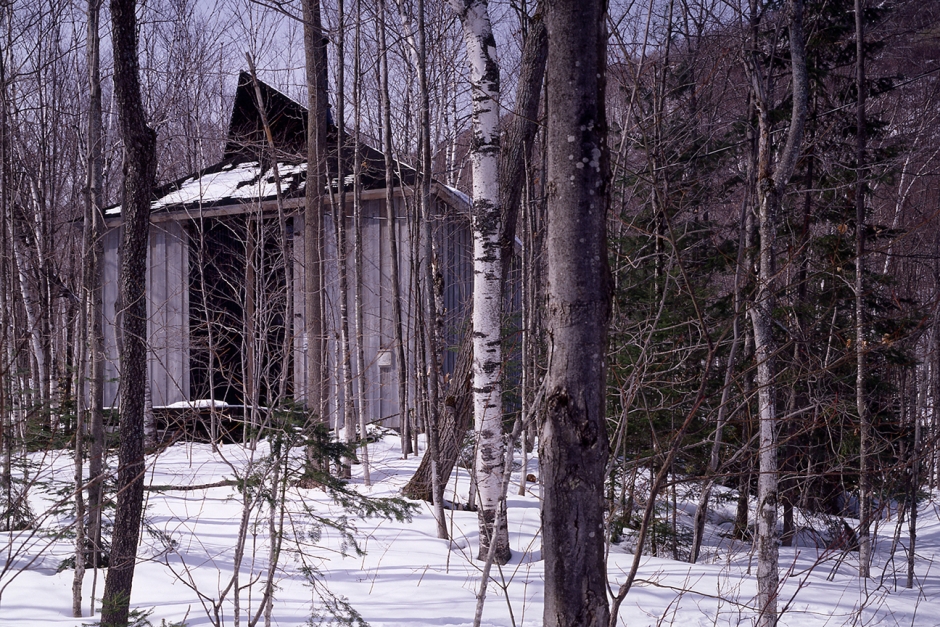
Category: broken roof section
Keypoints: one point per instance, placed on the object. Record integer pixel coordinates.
(246, 173)
(287, 117)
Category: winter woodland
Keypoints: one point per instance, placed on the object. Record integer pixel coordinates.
(469, 312)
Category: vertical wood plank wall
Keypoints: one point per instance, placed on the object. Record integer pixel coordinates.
(168, 307)
(110, 307)
(167, 314)
(452, 236)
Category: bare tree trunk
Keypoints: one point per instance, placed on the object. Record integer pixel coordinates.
(90, 358)
(6, 417)
(487, 273)
(339, 217)
(399, 345)
(429, 334)
(574, 446)
(95, 333)
(79, 453)
(864, 487)
(315, 54)
(6, 317)
(139, 173)
(914, 475)
(357, 252)
(771, 184)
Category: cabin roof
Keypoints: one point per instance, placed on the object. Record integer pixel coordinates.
(245, 175)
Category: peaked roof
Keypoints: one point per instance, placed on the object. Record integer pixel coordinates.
(245, 175)
(287, 117)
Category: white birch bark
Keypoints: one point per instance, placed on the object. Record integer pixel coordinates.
(487, 270)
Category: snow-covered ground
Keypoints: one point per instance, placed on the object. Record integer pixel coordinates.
(409, 577)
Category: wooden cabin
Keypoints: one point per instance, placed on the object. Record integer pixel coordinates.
(220, 260)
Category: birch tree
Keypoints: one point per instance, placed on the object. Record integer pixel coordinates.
(515, 153)
(487, 273)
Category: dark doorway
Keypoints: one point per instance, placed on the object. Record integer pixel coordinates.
(238, 295)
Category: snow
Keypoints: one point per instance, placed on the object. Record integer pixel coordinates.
(210, 186)
(409, 577)
(459, 194)
(203, 403)
(242, 181)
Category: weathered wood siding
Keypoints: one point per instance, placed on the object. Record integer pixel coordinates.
(168, 284)
(167, 314)
(452, 237)
(110, 306)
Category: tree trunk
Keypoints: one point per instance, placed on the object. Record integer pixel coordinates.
(139, 172)
(574, 447)
(515, 151)
(315, 56)
(90, 367)
(6, 317)
(399, 345)
(861, 348)
(357, 252)
(429, 333)
(771, 185)
(339, 220)
(487, 274)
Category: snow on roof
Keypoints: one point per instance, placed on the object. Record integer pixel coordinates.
(239, 181)
(211, 186)
(264, 185)
(202, 403)
(459, 194)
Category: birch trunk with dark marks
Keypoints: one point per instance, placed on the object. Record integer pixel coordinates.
(574, 446)
(771, 186)
(139, 173)
(516, 148)
(487, 274)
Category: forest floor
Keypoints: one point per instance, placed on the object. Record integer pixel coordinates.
(407, 576)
